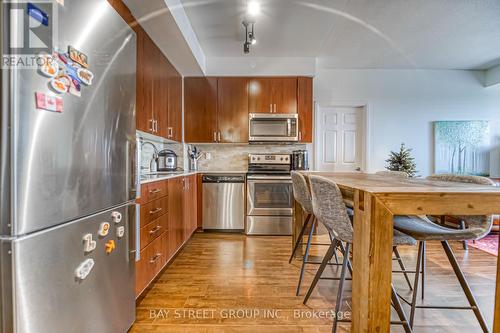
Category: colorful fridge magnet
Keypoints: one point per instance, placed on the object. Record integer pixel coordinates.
(47, 65)
(85, 76)
(60, 84)
(75, 88)
(78, 57)
(48, 102)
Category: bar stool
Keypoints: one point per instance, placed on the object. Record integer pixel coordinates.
(478, 227)
(303, 197)
(329, 208)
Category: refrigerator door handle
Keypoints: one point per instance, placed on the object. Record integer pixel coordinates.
(137, 235)
(138, 167)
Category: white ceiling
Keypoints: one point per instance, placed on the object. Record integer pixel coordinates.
(434, 34)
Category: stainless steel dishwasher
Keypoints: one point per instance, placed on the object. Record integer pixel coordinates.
(224, 203)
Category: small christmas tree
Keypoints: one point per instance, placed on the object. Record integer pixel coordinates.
(402, 161)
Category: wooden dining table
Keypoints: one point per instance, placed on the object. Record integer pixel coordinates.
(376, 199)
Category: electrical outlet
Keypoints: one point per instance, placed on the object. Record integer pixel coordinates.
(208, 156)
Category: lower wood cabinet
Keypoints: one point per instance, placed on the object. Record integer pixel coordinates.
(168, 219)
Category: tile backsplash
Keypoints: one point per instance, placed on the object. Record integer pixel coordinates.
(234, 157)
(215, 157)
(160, 144)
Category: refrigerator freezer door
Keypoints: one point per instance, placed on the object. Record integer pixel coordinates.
(61, 288)
(81, 161)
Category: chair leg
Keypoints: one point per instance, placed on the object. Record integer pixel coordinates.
(324, 263)
(345, 254)
(465, 286)
(465, 243)
(300, 237)
(402, 265)
(415, 284)
(341, 288)
(424, 267)
(399, 309)
(336, 243)
(306, 255)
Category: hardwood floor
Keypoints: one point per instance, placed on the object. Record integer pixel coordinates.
(234, 283)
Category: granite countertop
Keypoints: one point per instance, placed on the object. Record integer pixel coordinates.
(150, 178)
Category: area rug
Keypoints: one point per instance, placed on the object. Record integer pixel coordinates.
(487, 244)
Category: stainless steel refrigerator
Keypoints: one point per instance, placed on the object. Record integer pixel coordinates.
(67, 178)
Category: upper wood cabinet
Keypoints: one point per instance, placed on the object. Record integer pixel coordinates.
(216, 109)
(305, 108)
(158, 86)
(174, 130)
(273, 95)
(200, 109)
(232, 110)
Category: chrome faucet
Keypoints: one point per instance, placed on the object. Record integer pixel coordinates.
(153, 164)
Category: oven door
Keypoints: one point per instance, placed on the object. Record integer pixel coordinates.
(269, 196)
(273, 128)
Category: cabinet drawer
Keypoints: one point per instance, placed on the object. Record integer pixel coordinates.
(152, 210)
(152, 261)
(153, 191)
(153, 230)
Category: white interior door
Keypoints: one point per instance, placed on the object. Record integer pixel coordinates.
(340, 137)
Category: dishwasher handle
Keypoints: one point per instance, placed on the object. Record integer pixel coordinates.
(220, 179)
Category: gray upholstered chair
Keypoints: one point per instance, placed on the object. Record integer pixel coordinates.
(476, 227)
(329, 208)
(302, 195)
(396, 174)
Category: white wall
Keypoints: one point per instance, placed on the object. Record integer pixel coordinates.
(404, 103)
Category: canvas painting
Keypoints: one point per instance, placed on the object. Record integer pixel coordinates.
(462, 147)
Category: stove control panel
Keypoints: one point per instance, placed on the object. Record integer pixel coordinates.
(269, 159)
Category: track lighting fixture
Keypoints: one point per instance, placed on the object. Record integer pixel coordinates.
(249, 36)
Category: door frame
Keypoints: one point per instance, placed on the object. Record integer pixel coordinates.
(366, 165)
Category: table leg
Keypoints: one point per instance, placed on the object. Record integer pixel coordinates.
(371, 294)
(496, 324)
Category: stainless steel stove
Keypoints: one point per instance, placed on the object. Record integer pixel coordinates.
(269, 195)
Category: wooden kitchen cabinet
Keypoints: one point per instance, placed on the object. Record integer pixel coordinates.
(200, 109)
(232, 109)
(273, 95)
(158, 85)
(190, 206)
(305, 108)
(174, 104)
(176, 219)
(260, 99)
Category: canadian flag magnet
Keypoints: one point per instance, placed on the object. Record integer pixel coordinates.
(48, 102)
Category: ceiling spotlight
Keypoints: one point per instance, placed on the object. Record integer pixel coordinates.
(253, 8)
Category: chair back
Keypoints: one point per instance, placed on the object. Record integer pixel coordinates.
(480, 224)
(395, 174)
(301, 191)
(329, 208)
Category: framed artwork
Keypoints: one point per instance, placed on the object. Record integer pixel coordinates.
(462, 147)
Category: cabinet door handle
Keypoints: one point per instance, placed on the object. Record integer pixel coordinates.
(151, 122)
(270, 108)
(300, 136)
(153, 259)
(274, 108)
(170, 132)
(154, 211)
(215, 136)
(158, 190)
(155, 230)
(218, 137)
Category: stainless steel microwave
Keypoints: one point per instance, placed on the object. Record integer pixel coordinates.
(265, 127)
